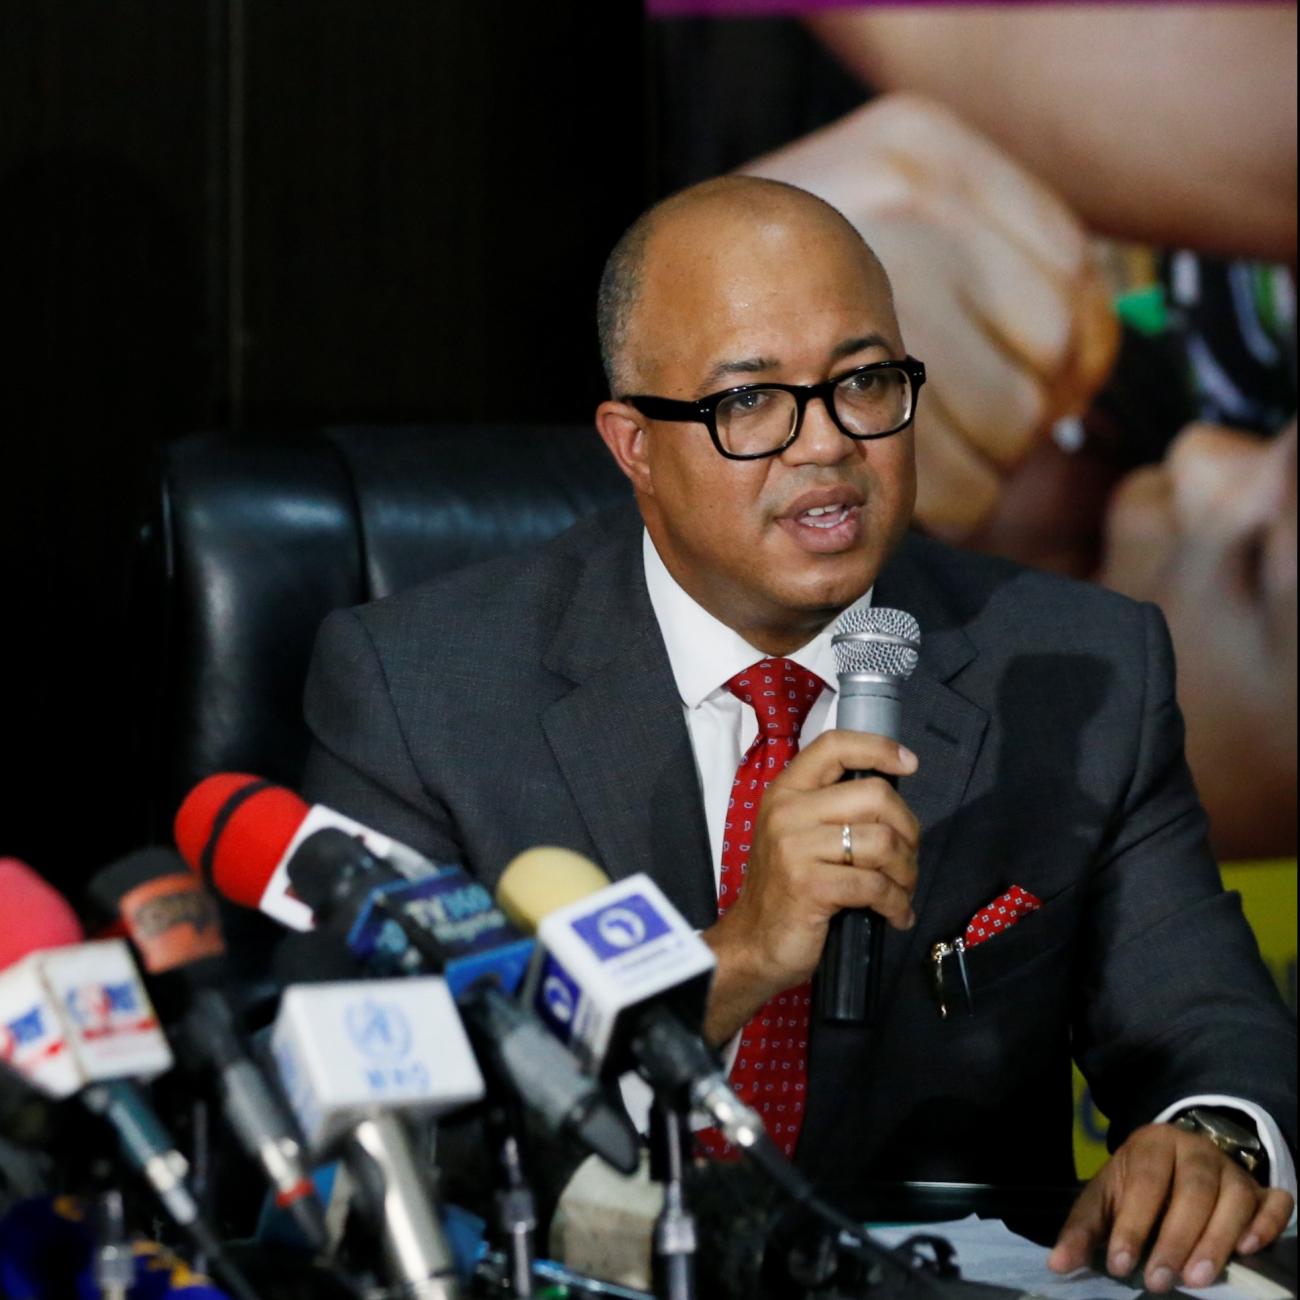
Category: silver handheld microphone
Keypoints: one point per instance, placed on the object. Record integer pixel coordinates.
(876, 651)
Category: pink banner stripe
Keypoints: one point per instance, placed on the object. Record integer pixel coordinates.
(793, 8)
(740, 8)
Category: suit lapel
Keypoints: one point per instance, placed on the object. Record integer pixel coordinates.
(622, 744)
(619, 736)
(940, 726)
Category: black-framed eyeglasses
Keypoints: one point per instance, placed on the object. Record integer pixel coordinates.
(756, 420)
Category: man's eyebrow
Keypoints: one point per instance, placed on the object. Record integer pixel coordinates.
(760, 365)
(743, 366)
(850, 346)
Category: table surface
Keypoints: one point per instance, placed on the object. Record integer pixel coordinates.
(1033, 1212)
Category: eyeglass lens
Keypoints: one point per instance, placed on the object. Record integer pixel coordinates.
(871, 402)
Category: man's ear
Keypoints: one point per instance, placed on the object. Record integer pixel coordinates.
(621, 426)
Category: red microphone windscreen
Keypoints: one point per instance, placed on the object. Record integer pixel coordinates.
(35, 914)
(236, 833)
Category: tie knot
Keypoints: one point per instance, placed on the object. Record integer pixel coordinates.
(780, 693)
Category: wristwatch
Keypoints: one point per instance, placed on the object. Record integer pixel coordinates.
(1232, 1132)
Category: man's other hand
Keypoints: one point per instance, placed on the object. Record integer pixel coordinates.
(771, 938)
(1179, 1190)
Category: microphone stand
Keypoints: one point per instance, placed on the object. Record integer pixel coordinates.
(675, 1236)
(516, 1209)
(114, 1260)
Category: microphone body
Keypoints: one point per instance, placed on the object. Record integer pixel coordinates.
(85, 1023)
(876, 651)
(90, 1028)
(176, 928)
(622, 978)
(240, 833)
(354, 1058)
(448, 924)
(846, 986)
(606, 959)
(442, 922)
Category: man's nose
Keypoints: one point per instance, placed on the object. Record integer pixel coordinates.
(820, 441)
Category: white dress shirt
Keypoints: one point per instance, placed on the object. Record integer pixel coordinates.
(704, 655)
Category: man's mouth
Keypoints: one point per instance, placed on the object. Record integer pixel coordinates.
(825, 520)
(823, 516)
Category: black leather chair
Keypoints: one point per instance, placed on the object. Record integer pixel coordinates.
(251, 542)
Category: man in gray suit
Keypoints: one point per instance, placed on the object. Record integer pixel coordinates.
(579, 697)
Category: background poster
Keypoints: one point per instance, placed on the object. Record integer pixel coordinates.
(1116, 334)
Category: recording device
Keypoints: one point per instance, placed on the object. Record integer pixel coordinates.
(619, 972)
(398, 913)
(357, 1057)
(448, 924)
(622, 979)
(175, 926)
(876, 651)
(76, 1019)
(239, 832)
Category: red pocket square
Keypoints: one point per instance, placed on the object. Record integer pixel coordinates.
(1001, 914)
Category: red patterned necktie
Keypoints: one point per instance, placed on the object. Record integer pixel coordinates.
(771, 1069)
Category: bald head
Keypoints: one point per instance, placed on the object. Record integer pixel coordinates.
(688, 230)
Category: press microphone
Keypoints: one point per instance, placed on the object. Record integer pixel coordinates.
(174, 923)
(355, 1058)
(443, 923)
(76, 1019)
(876, 651)
(35, 914)
(239, 833)
(622, 979)
(398, 913)
(448, 924)
(610, 959)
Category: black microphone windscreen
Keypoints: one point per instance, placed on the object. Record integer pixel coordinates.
(112, 883)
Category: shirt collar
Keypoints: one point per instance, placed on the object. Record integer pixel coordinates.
(705, 653)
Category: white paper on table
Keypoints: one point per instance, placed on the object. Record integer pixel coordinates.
(988, 1251)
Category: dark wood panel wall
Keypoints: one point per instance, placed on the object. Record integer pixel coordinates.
(266, 216)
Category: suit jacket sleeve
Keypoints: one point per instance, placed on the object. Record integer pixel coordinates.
(360, 761)
(1174, 998)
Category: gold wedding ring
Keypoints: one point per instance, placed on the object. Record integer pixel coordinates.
(846, 842)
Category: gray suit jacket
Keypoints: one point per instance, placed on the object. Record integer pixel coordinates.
(530, 701)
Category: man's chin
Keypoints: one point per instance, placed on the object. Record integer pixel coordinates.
(821, 591)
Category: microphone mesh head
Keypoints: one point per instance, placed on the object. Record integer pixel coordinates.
(883, 642)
